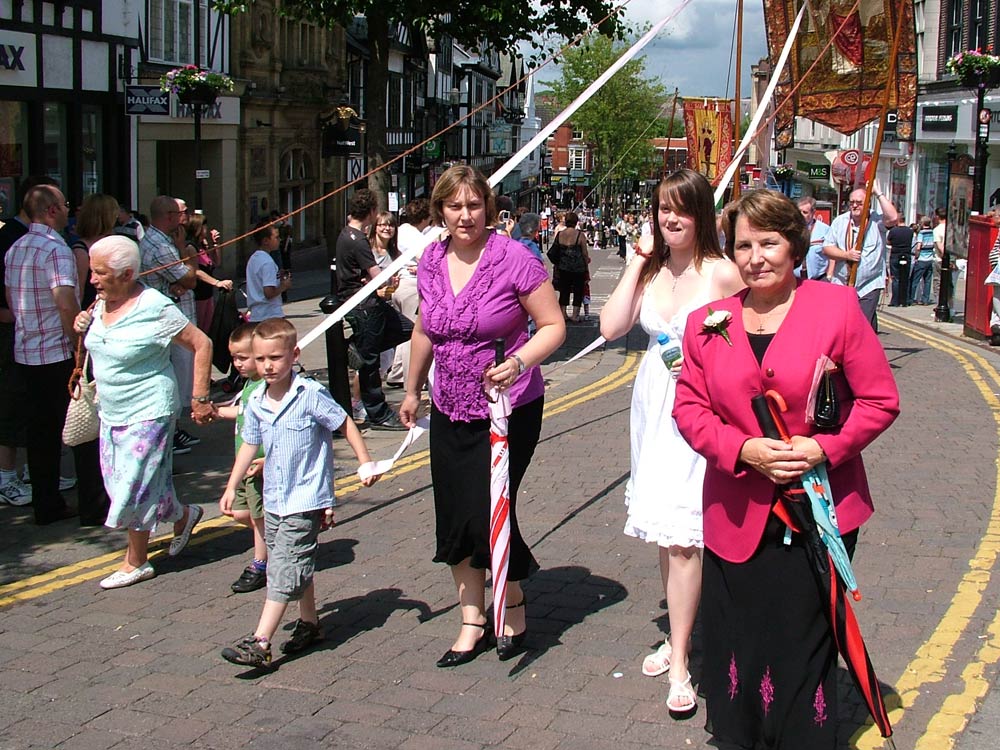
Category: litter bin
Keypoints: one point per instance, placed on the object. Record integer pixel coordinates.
(978, 296)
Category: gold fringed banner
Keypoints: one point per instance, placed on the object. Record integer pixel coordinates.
(846, 89)
(709, 126)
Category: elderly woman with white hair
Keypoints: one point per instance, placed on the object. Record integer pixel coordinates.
(128, 336)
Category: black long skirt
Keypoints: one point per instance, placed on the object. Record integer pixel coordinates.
(770, 661)
(460, 472)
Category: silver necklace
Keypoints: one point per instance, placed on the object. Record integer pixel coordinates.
(677, 276)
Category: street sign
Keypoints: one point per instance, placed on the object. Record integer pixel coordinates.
(146, 100)
(432, 149)
(202, 174)
(983, 134)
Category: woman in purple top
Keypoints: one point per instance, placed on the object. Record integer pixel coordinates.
(477, 286)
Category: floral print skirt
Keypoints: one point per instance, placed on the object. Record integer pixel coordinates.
(137, 463)
(769, 672)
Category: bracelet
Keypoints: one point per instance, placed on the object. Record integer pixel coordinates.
(520, 363)
(641, 254)
(202, 399)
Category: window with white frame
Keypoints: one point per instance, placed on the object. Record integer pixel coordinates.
(577, 135)
(171, 31)
(578, 158)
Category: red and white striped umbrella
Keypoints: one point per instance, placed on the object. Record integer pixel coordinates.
(499, 504)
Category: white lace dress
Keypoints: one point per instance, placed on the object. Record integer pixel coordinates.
(663, 495)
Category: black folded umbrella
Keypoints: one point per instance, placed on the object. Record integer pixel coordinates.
(839, 612)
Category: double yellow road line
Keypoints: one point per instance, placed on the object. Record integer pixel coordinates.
(930, 663)
(102, 565)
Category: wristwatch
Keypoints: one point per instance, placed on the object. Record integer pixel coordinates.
(202, 399)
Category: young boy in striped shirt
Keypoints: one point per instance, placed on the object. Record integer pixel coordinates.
(293, 418)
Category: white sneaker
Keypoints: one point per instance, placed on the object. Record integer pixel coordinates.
(120, 579)
(15, 492)
(179, 542)
(359, 414)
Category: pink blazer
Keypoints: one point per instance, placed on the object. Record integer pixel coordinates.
(713, 413)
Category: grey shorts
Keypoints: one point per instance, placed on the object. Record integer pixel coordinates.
(291, 553)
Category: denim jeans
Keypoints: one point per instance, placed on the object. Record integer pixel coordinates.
(922, 272)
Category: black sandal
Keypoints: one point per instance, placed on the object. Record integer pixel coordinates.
(509, 646)
(453, 658)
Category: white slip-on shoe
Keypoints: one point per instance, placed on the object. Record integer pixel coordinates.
(180, 541)
(120, 579)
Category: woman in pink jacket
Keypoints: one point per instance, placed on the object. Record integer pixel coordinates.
(769, 675)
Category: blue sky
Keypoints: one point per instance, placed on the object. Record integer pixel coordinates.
(693, 50)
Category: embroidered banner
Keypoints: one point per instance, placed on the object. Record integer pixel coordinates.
(709, 126)
(846, 89)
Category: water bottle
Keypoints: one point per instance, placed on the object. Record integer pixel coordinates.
(670, 349)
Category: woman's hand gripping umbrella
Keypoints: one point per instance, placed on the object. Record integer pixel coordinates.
(499, 494)
(817, 522)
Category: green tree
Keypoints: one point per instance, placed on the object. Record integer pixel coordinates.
(621, 117)
(503, 25)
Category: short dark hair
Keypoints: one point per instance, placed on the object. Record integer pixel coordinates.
(941, 213)
(263, 230)
(242, 334)
(571, 219)
(417, 210)
(39, 200)
(362, 203)
(768, 211)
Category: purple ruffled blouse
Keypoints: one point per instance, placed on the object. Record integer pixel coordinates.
(462, 328)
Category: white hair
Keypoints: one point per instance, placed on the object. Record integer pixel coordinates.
(120, 253)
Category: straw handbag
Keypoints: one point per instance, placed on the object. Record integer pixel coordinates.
(82, 423)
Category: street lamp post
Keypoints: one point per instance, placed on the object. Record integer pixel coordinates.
(983, 116)
(942, 313)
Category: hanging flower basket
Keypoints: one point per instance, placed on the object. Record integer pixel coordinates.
(194, 85)
(974, 69)
(784, 172)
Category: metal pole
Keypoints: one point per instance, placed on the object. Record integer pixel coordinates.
(942, 313)
(197, 109)
(982, 150)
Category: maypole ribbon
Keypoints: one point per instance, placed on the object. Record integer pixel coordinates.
(582, 99)
(761, 108)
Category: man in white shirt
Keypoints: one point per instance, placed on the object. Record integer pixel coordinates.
(264, 282)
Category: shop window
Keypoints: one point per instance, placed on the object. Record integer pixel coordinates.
(54, 142)
(13, 154)
(171, 31)
(92, 151)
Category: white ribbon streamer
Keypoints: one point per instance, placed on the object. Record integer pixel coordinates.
(497, 177)
(761, 108)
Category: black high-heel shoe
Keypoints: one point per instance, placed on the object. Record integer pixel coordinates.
(509, 646)
(453, 658)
